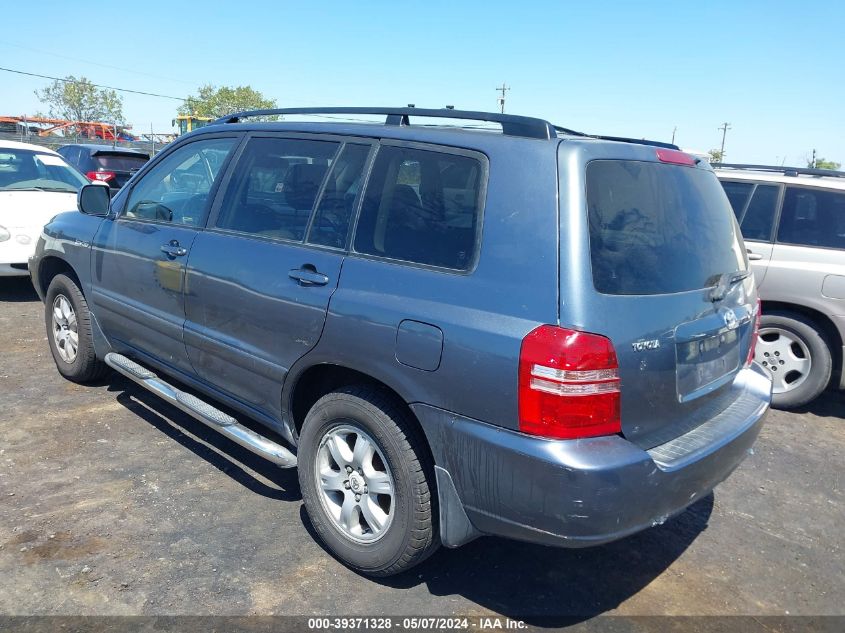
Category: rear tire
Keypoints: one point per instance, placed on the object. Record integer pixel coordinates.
(376, 534)
(796, 355)
(69, 334)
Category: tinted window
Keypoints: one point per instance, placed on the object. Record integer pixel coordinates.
(334, 211)
(22, 169)
(738, 194)
(658, 228)
(759, 217)
(176, 189)
(275, 185)
(421, 206)
(813, 217)
(120, 162)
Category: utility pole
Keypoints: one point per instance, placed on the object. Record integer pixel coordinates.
(724, 127)
(501, 99)
(814, 159)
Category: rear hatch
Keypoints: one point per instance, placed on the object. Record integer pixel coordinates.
(670, 288)
(122, 164)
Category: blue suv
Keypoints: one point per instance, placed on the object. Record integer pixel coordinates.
(450, 331)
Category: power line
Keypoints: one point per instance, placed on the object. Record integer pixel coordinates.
(72, 81)
(93, 63)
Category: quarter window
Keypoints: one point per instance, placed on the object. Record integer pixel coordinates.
(813, 217)
(176, 189)
(274, 187)
(421, 206)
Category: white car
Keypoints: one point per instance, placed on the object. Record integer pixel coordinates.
(35, 184)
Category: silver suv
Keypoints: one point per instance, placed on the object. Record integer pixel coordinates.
(793, 222)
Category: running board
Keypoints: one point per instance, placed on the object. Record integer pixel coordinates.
(210, 416)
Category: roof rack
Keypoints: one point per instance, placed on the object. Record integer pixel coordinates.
(786, 171)
(512, 125)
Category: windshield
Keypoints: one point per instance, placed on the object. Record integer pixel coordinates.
(26, 170)
(658, 229)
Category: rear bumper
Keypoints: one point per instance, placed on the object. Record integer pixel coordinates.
(577, 493)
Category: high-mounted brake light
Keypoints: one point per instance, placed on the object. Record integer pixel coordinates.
(568, 384)
(101, 176)
(675, 157)
(755, 333)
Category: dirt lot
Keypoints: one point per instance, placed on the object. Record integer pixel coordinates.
(112, 502)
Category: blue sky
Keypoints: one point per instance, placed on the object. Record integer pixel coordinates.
(772, 69)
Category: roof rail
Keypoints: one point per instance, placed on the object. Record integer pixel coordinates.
(786, 171)
(512, 125)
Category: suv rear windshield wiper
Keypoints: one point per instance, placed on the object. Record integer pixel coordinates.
(726, 282)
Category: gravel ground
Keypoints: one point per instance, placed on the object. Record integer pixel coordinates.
(112, 503)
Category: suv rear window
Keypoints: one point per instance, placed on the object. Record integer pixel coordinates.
(120, 162)
(658, 229)
(421, 206)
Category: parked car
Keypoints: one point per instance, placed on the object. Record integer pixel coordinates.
(35, 184)
(793, 222)
(111, 165)
(449, 331)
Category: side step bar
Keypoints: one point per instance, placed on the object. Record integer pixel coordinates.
(202, 411)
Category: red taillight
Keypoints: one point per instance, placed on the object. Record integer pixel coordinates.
(102, 176)
(568, 384)
(755, 332)
(675, 157)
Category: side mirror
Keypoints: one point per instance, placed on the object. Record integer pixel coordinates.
(93, 200)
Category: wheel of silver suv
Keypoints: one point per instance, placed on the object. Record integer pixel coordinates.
(795, 353)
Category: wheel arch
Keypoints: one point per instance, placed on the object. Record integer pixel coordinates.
(49, 267)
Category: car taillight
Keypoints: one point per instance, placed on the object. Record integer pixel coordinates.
(568, 384)
(102, 176)
(755, 332)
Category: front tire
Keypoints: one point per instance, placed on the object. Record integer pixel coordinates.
(797, 357)
(367, 481)
(69, 332)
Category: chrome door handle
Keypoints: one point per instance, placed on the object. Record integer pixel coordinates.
(173, 249)
(752, 256)
(308, 276)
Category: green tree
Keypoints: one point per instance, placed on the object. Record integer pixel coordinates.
(822, 163)
(716, 155)
(80, 100)
(215, 102)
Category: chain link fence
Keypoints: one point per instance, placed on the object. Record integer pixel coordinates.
(53, 142)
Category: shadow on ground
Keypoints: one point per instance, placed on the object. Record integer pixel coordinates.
(17, 290)
(831, 404)
(541, 585)
(552, 587)
(225, 455)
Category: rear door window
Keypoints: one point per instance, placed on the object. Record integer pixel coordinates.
(657, 229)
(422, 206)
(330, 226)
(738, 194)
(274, 187)
(813, 217)
(758, 220)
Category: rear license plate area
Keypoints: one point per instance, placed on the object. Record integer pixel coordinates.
(703, 364)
